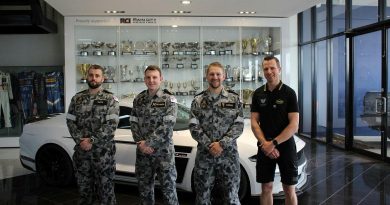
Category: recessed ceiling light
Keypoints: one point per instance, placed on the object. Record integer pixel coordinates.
(247, 12)
(181, 12)
(114, 12)
(174, 26)
(185, 2)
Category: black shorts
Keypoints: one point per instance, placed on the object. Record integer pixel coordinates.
(287, 161)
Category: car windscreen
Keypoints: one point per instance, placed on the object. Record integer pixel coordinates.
(182, 119)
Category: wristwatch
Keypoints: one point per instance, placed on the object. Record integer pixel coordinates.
(275, 142)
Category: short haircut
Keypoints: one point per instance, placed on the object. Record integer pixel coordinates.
(96, 67)
(215, 64)
(153, 67)
(268, 58)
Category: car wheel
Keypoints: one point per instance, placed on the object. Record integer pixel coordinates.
(54, 165)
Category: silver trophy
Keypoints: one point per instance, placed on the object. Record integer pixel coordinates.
(126, 47)
(165, 48)
(267, 45)
(97, 45)
(83, 46)
(124, 73)
(111, 46)
(109, 73)
(150, 47)
(195, 87)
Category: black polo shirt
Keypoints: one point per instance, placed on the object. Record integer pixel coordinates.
(273, 108)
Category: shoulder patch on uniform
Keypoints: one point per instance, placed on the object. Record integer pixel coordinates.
(167, 92)
(115, 98)
(231, 91)
(173, 99)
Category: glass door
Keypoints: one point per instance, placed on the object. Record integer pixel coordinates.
(369, 101)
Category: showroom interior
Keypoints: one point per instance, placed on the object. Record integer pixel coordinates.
(333, 53)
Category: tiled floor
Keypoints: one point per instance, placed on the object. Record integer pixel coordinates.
(336, 177)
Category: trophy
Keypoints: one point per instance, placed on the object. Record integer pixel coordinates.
(139, 47)
(138, 78)
(83, 69)
(83, 46)
(126, 47)
(178, 89)
(247, 74)
(164, 48)
(150, 47)
(194, 87)
(209, 46)
(111, 46)
(245, 43)
(171, 86)
(254, 43)
(97, 45)
(124, 73)
(109, 73)
(247, 97)
(267, 45)
(184, 88)
(165, 83)
(229, 73)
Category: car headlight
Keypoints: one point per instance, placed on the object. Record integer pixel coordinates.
(253, 158)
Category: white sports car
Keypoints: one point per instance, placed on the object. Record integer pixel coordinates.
(46, 147)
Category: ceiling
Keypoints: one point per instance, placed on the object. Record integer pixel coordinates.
(263, 8)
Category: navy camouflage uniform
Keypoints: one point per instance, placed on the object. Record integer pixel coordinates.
(152, 120)
(95, 116)
(220, 120)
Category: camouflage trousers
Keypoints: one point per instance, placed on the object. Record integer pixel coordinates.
(95, 171)
(146, 168)
(208, 170)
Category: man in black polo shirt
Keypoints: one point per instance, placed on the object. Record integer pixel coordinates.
(274, 120)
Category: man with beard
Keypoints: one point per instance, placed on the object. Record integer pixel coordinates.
(216, 122)
(93, 116)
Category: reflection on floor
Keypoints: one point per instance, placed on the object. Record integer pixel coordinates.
(336, 177)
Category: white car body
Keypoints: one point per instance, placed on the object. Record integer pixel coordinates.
(36, 136)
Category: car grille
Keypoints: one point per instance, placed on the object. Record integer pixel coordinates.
(181, 161)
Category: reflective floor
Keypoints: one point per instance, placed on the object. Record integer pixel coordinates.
(335, 177)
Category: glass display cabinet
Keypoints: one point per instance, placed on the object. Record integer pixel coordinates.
(182, 53)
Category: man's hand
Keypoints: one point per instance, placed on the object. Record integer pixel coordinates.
(274, 154)
(144, 148)
(269, 150)
(215, 149)
(85, 144)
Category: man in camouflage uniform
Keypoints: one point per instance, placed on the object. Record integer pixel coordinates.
(93, 116)
(216, 123)
(152, 120)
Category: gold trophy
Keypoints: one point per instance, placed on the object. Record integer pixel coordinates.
(245, 43)
(83, 68)
(254, 44)
(247, 96)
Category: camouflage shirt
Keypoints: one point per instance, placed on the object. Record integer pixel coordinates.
(216, 120)
(93, 115)
(153, 118)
